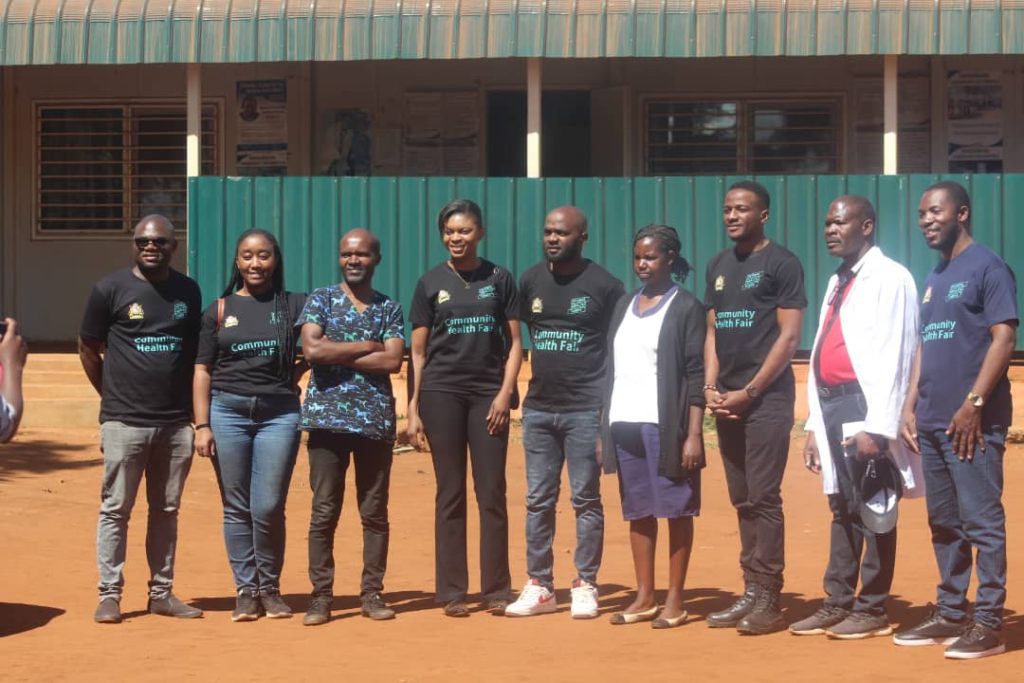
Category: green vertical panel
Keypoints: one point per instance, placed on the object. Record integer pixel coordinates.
(501, 24)
(861, 36)
(529, 36)
(414, 33)
(922, 30)
(709, 238)
(475, 189)
(324, 224)
(801, 30)
(45, 34)
(621, 226)
(650, 30)
(270, 31)
(986, 191)
(158, 44)
(72, 40)
(557, 192)
(740, 25)
(589, 34)
(648, 202)
(588, 196)
(710, 34)
(1013, 33)
(239, 214)
(298, 36)
(680, 29)
(807, 225)
(241, 36)
(769, 28)
(297, 233)
(208, 260)
(328, 32)
(213, 40)
(559, 36)
(984, 30)
(129, 40)
(359, 36)
(184, 32)
(619, 34)
(504, 226)
(267, 205)
(402, 241)
(356, 209)
(953, 27)
(102, 47)
(677, 194)
(440, 191)
(831, 31)
(530, 209)
(443, 30)
(471, 34)
(1011, 205)
(17, 43)
(778, 216)
(891, 230)
(892, 30)
(921, 259)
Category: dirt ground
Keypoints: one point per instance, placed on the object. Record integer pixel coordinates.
(49, 486)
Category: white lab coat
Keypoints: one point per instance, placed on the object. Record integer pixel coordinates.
(880, 319)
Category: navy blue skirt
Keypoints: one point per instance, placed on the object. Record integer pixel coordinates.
(644, 492)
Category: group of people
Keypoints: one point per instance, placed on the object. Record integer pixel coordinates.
(905, 398)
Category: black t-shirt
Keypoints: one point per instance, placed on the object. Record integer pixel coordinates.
(568, 317)
(242, 354)
(150, 331)
(466, 314)
(745, 291)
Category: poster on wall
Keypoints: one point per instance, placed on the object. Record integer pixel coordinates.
(440, 133)
(347, 148)
(974, 121)
(262, 144)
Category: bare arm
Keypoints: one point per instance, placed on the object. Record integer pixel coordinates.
(13, 351)
(965, 427)
(317, 349)
(417, 359)
(205, 445)
(908, 422)
(382, 362)
(497, 416)
(90, 353)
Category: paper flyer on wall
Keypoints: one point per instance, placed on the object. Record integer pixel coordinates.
(974, 121)
(262, 139)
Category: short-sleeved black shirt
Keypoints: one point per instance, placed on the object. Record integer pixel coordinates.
(745, 290)
(150, 331)
(568, 318)
(468, 343)
(242, 354)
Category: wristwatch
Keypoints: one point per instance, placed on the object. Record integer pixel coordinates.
(976, 400)
(752, 391)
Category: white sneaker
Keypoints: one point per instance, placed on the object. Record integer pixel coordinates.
(584, 600)
(534, 599)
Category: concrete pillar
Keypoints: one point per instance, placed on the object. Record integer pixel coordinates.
(194, 119)
(533, 117)
(890, 118)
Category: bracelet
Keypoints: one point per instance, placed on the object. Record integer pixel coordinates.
(710, 387)
(205, 425)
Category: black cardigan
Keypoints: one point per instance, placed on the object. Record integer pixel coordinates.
(680, 378)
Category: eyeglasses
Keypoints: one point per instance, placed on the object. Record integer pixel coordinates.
(143, 242)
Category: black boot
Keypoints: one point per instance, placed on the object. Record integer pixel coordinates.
(731, 615)
(766, 617)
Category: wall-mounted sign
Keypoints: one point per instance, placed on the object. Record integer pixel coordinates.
(262, 141)
(974, 121)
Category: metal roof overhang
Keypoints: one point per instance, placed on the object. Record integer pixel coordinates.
(229, 31)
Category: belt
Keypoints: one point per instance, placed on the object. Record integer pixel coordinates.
(835, 391)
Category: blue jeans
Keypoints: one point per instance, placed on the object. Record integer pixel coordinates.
(164, 456)
(965, 511)
(550, 439)
(257, 440)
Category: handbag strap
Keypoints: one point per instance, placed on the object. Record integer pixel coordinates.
(220, 312)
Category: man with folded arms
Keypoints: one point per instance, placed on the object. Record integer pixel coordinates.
(856, 385)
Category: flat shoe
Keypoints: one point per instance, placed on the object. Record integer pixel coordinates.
(621, 618)
(664, 622)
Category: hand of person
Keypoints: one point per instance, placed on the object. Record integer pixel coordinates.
(965, 431)
(908, 431)
(732, 405)
(867, 446)
(713, 398)
(497, 415)
(13, 349)
(414, 430)
(206, 447)
(812, 459)
(692, 457)
(599, 453)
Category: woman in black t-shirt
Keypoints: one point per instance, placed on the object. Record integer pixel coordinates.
(465, 355)
(246, 405)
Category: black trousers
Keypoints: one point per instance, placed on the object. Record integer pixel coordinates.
(329, 455)
(453, 422)
(854, 551)
(754, 453)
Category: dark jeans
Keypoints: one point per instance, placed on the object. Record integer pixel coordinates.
(849, 537)
(329, 455)
(965, 511)
(754, 452)
(453, 422)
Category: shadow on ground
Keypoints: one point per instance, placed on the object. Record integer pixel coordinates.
(18, 618)
(39, 456)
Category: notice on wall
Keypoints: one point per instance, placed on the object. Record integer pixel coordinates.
(262, 141)
(346, 143)
(913, 140)
(440, 133)
(974, 121)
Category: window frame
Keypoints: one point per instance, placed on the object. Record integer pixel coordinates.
(744, 125)
(126, 105)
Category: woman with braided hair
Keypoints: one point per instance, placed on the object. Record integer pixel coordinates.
(246, 403)
(652, 432)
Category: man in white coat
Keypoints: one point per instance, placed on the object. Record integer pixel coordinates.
(858, 380)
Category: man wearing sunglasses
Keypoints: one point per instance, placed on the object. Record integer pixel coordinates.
(137, 344)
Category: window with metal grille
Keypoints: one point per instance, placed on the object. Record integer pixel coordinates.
(102, 167)
(742, 136)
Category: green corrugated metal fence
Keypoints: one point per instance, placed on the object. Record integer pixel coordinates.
(309, 215)
(135, 32)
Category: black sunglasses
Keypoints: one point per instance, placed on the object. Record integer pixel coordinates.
(143, 242)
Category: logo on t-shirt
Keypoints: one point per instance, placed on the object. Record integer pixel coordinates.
(578, 305)
(956, 290)
(135, 312)
(719, 283)
(443, 295)
(927, 296)
(180, 310)
(537, 305)
(753, 280)
(487, 292)
(274, 317)
(230, 321)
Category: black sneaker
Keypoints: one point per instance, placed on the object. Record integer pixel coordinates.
(108, 612)
(977, 641)
(275, 606)
(816, 624)
(375, 608)
(171, 606)
(247, 607)
(934, 630)
(732, 614)
(319, 611)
